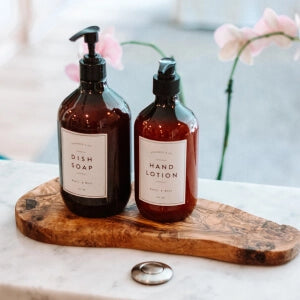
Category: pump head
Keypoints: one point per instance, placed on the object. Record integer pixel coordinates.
(166, 81)
(90, 37)
(92, 66)
(166, 68)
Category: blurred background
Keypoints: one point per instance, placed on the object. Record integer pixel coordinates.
(264, 144)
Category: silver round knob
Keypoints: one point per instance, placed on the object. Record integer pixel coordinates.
(151, 273)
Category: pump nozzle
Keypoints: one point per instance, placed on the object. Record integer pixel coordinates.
(166, 81)
(166, 68)
(90, 37)
(92, 66)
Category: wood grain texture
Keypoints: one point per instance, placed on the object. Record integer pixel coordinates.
(214, 230)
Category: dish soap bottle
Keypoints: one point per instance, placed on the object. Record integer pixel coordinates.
(94, 140)
(165, 144)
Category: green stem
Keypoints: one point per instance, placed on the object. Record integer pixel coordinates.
(154, 47)
(229, 92)
(161, 53)
(181, 94)
(227, 128)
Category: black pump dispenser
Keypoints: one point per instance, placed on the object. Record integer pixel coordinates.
(166, 81)
(92, 65)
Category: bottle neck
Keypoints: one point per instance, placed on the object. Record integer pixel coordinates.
(166, 101)
(93, 87)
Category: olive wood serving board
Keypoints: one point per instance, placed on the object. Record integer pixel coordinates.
(214, 230)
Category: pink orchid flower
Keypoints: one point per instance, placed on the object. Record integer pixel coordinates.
(72, 70)
(297, 20)
(271, 22)
(231, 39)
(108, 47)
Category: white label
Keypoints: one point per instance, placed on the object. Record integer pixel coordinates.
(162, 172)
(84, 164)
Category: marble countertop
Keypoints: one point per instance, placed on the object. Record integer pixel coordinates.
(33, 270)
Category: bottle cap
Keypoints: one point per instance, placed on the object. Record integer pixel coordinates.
(166, 81)
(151, 273)
(92, 65)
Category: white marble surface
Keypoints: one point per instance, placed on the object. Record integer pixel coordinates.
(33, 270)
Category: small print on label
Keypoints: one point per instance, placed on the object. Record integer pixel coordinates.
(162, 172)
(84, 164)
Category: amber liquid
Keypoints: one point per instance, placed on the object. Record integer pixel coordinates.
(168, 120)
(97, 109)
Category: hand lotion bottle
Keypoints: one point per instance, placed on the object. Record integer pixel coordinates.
(165, 144)
(94, 140)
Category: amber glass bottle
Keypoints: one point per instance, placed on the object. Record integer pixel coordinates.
(94, 141)
(165, 144)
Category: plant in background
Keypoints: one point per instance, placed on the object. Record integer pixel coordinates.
(245, 43)
(235, 43)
